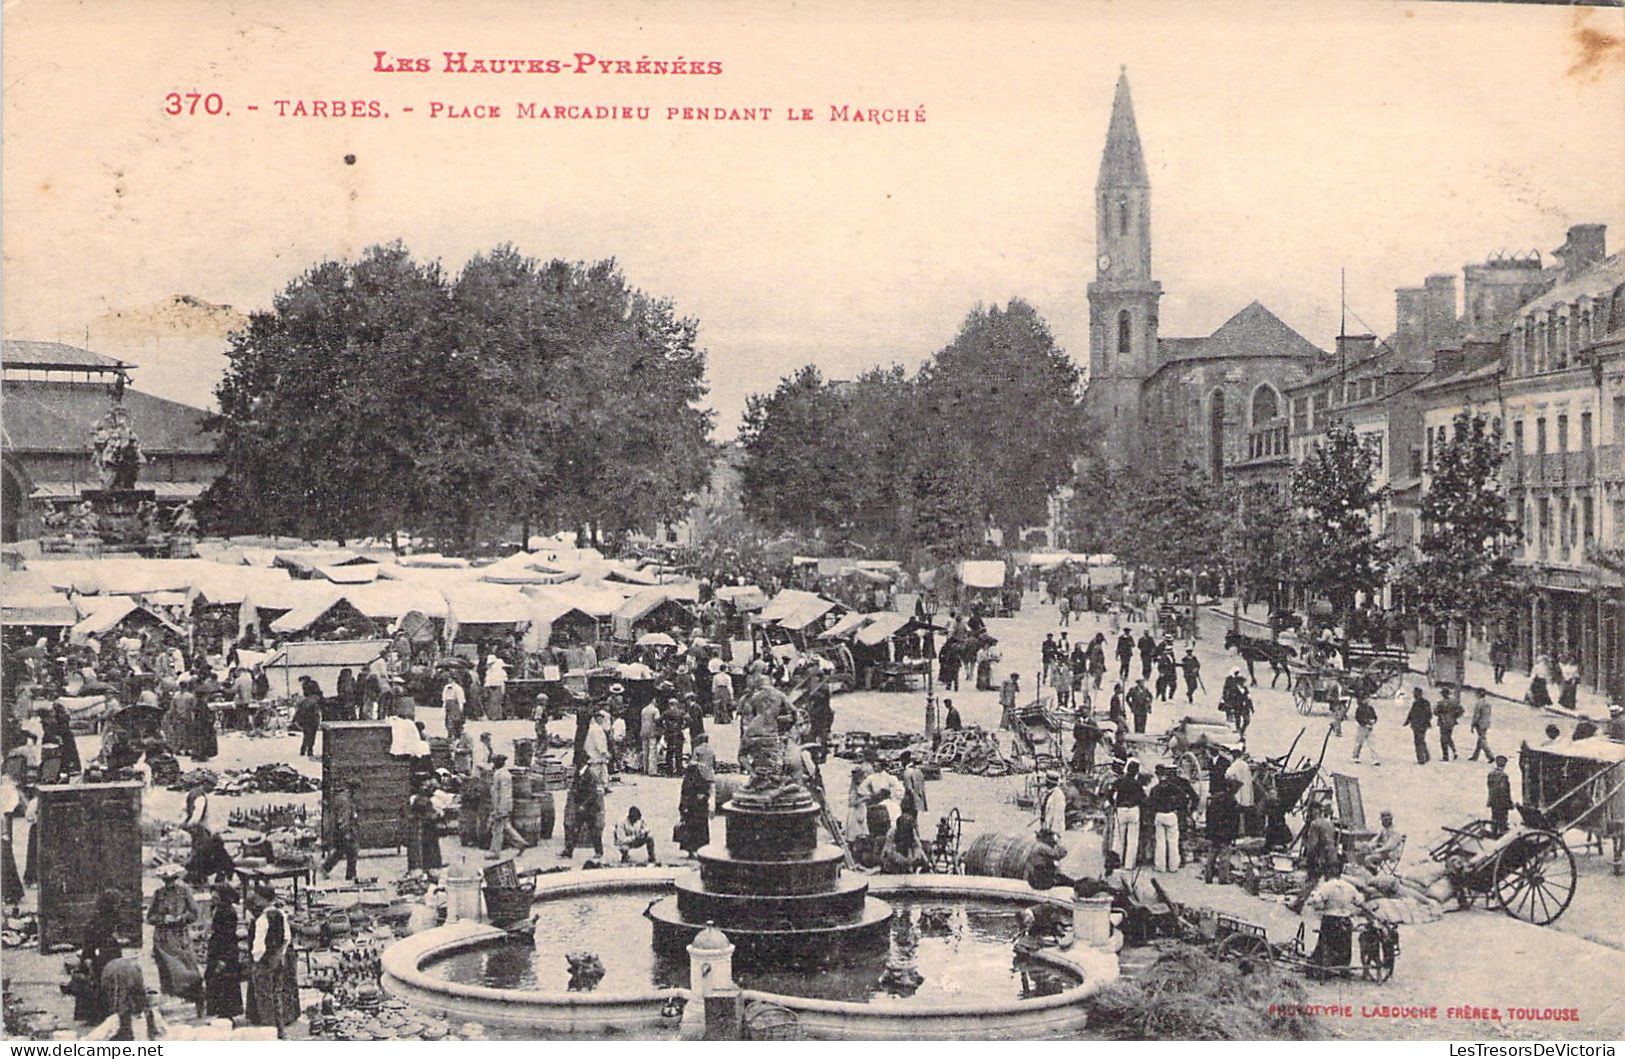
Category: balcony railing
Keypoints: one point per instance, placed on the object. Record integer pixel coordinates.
(1551, 469)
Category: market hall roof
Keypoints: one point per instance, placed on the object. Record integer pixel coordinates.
(56, 356)
(54, 416)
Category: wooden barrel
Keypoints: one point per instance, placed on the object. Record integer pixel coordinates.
(527, 819)
(546, 819)
(1001, 855)
(522, 787)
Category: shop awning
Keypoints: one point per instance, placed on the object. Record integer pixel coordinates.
(848, 625)
(45, 608)
(982, 573)
(882, 627)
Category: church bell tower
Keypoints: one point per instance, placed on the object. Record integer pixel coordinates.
(1123, 297)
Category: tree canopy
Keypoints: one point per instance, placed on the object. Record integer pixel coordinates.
(1338, 552)
(1464, 572)
(979, 437)
(378, 395)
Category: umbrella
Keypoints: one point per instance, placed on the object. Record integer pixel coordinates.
(656, 639)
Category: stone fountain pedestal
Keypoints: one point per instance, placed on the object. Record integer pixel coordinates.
(772, 886)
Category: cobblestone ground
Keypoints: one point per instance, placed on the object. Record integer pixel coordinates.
(1475, 959)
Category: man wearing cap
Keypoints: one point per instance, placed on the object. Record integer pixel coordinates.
(722, 692)
(453, 699)
(342, 820)
(1051, 804)
(1128, 795)
(1170, 799)
(1139, 704)
(1481, 727)
(673, 723)
(496, 686)
(649, 735)
(502, 831)
(914, 783)
(1500, 794)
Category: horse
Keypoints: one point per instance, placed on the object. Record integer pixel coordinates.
(1252, 649)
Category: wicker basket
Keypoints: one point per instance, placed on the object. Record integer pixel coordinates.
(769, 1022)
(509, 904)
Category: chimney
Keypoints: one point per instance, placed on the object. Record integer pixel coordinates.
(1410, 316)
(1353, 348)
(1587, 245)
(1439, 313)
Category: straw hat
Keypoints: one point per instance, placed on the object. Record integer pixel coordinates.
(170, 871)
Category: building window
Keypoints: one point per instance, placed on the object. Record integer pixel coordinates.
(1122, 216)
(1618, 527)
(1125, 333)
(1563, 432)
(1540, 435)
(1216, 435)
(1266, 404)
(1585, 431)
(1416, 463)
(1517, 438)
(1619, 420)
(1430, 448)
(1300, 415)
(1588, 513)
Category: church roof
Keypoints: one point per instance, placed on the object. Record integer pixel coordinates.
(59, 417)
(1122, 164)
(18, 353)
(1253, 332)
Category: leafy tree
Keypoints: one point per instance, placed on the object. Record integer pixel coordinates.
(325, 395)
(791, 478)
(1095, 516)
(1175, 525)
(1464, 572)
(1258, 538)
(1010, 396)
(1336, 549)
(376, 395)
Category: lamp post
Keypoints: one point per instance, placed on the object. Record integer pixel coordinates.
(928, 607)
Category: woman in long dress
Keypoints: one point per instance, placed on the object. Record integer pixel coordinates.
(694, 810)
(172, 914)
(857, 812)
(60, 731)
(205, 742)
(223, 977)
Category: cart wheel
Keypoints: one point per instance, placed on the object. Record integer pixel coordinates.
(1245, 947)
(1376, 954)
(1535, 877)
(1303, 695)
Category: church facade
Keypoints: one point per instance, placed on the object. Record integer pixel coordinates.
(1214, 401)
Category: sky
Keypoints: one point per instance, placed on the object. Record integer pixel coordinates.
(1285, 141)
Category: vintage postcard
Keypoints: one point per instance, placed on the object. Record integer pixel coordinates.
(813, 520)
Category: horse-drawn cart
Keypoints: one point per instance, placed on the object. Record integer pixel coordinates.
(1366, 672)
(1578, 786)
(1528, 872)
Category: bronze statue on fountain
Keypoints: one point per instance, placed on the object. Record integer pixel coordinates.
(119, 516)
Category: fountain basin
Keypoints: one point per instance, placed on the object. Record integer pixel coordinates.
(623, 1007)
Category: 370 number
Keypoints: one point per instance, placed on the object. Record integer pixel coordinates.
(190, 102)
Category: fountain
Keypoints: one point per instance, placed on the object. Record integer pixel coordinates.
(772, 887)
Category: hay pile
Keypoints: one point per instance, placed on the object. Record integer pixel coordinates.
(1190, 996)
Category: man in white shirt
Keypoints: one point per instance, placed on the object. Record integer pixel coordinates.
(1337, 900)
(452, 700)
(649, 735)
(496, 685)
(1241, 774)
(596, 746)
(1052, 805)
(633, 834)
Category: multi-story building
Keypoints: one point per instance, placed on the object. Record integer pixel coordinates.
(1558, 400)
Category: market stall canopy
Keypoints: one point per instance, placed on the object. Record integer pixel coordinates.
(433, 561)
(119, 576)
(38, 608)
(307, 613)
(883, 625)
(807, 613)
(355, 574)
(599, 600)
(743, 597)
(479, 604)
(1595, 749)
(309, 561)
(322, 661)
(391, 599)
(982, 573)
(656, 639)
(230, 585)
(785, 604)
(631, 575)
(105, 614)
(642, 606)
(848, 625)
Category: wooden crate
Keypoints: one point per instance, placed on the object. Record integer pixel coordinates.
(360, 750)
(90, 840)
